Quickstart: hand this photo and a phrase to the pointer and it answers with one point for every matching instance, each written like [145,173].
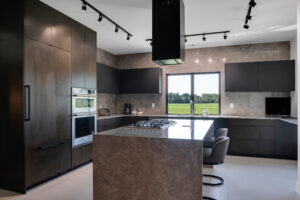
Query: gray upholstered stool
[209,143]
[215,156]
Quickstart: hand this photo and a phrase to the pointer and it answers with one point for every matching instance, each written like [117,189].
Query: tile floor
[245,179]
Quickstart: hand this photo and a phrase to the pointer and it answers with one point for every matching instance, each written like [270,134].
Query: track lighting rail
[102,15]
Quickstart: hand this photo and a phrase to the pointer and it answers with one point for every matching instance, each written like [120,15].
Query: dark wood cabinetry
[141,81]
[274,76]
[84,56]
[108,79]
[47,131]
[61,31]
[82,154]
[36,81]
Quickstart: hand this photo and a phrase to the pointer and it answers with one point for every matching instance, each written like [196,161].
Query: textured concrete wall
[294,94]
[245,104]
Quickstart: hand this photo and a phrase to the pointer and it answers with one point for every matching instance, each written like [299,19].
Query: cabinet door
[82,154]
[90,59]
[278,76]
[108,79]
[141,81]
[286,140]
[38,21]
[47,133]
[61,31]
[78,61]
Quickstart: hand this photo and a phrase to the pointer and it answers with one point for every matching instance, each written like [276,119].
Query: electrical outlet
[231,105]
[153,105]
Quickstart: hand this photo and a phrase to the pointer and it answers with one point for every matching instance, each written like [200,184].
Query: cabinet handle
[50,146]
[27,103]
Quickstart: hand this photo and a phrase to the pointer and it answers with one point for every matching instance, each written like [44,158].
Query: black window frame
[192,89]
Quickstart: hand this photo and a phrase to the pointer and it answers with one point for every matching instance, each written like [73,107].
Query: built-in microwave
[84,101]
[84,127]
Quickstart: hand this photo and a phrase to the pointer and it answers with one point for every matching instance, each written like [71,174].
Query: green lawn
[213,108]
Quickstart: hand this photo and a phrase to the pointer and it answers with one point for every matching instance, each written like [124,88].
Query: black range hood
[168,36]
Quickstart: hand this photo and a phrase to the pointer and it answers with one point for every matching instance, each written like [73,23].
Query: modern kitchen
[149,100]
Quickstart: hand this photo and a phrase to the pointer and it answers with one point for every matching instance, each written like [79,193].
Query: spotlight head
[249,17]
[185,40]
[225,36]
[151,44]
[100,18]
[83,7]
[246,26]
[128,37]
[252,3]
[204,38]
[117,29]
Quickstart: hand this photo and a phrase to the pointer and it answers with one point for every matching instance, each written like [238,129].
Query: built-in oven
[84,117]
[84,127]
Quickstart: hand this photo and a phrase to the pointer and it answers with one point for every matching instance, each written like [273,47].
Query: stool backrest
[220,149]
[221,132]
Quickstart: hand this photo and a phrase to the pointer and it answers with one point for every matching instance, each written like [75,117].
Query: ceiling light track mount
[102,16]
[249,17]
[204,35]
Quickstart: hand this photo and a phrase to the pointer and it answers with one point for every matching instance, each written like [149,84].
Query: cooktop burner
[154,123]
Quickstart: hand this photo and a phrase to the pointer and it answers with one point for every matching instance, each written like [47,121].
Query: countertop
[187,129]
[293,121]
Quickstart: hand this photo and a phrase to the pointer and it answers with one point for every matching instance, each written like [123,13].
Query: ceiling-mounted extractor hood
[168,36]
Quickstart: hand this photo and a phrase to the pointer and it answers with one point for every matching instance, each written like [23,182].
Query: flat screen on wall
[278,106]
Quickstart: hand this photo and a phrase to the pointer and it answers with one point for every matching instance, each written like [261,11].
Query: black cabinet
[286,140]
[241,77]
[277,76]
[273,76]
[141,81]
[108,79]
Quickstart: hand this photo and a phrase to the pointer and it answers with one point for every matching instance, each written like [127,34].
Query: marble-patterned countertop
[187,129]
[293,121]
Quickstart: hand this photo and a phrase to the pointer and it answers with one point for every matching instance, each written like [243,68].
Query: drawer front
[267,133]
[248,147]
[47,161]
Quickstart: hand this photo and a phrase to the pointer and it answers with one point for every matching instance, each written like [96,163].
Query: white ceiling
[273,20]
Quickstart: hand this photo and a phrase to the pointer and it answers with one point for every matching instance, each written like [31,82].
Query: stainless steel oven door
[83,128]
[83,104]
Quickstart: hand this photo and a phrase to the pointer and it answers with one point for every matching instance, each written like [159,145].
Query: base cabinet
[81,155]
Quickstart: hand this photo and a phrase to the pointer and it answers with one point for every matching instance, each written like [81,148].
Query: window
[201,89]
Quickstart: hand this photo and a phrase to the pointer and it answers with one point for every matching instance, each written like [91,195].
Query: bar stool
[215,156]
[211,141]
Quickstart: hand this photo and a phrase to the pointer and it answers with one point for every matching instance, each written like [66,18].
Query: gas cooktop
[154,123]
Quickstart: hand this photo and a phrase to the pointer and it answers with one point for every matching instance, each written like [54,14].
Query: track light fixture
[252,3]
[246,26]
[204,35]
[100,18]
[225,36]
[83,7]
[86,4]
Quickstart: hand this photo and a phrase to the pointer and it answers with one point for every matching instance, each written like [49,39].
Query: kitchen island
[150,163]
